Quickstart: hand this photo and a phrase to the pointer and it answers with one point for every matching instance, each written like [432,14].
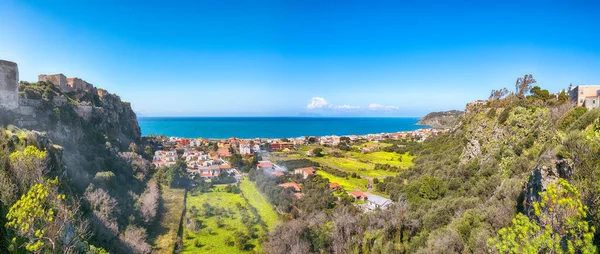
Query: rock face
[543,176]
[443,119]
[96,122]
[9,79]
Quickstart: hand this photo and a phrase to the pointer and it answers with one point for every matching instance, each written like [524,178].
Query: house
[305,172]
[280,146]
[245,149]
[224,152]
[265,165]
[297,187]
[358,195]
[377,202]
[585,95]
[335,186]
[277,174]
[298,195]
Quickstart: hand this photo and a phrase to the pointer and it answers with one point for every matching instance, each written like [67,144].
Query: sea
[272,127]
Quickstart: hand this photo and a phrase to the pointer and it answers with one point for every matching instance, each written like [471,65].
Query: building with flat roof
[585,95]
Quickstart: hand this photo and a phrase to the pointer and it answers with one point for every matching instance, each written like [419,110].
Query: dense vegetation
[526,162]
[88,174]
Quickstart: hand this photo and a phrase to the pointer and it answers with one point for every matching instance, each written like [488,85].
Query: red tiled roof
[296,186]
[308,170]
[334,185]
[277,173]
[298,195]
[265,164]
[226,166]
[358,194]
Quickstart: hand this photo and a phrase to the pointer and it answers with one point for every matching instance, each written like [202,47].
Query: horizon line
[283,116]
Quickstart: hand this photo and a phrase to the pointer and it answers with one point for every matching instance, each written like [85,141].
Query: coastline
[274,127]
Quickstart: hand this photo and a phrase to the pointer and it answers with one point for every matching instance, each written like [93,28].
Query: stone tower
[9,85]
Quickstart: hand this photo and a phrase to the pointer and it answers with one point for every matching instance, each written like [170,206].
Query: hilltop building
[585,95]
[66,84]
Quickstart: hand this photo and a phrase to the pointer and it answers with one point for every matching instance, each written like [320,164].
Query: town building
[296,187]
[305,172]
[585,95]
[281,146]
[335,186]
[358,195]
[377,202]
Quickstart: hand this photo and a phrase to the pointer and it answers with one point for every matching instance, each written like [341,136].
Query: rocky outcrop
[444,119]
[92,121]
[543,176]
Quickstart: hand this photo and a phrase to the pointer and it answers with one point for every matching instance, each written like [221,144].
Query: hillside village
[213,164]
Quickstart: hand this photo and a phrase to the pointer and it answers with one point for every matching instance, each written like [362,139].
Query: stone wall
[9,84]
[29,102]
[79,84]
[59,80]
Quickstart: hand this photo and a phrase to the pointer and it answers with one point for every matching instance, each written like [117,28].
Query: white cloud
[346,107]
[318,102]
[321,103]
[375,106]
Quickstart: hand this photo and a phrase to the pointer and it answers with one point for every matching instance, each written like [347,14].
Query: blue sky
[289,58]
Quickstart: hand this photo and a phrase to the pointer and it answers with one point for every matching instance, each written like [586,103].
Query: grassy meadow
[232,214]
[169,220]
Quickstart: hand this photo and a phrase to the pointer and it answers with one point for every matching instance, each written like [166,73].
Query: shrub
[585,120]
[570,117]
[491,113]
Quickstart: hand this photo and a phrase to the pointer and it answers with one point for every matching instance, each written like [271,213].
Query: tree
[104,213]
[559,225]
[28,167]
[318,152]
[44,222]
[498,94]
[539,94]
[134,239]
[149,202]
[148,152]
[563,97]
[523,85]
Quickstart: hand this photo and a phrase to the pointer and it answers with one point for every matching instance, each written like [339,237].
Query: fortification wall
[59,80]
[9,84]
[79,84]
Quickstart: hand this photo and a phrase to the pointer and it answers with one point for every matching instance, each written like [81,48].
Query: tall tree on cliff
[523,85]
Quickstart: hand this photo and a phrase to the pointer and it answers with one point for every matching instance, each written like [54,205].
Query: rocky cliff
[443,119]
[91,132]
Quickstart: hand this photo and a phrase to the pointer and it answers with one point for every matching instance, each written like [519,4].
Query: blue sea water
[272,127]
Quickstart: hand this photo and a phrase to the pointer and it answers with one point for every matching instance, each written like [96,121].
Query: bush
[491,113]
[585,120]
[504,115]
[570,117]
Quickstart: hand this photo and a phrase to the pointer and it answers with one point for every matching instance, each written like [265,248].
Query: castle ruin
[9,85]
[25,108]
[66,84]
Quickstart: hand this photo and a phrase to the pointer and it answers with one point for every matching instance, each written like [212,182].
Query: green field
[258,201]
[214,239]
[363,164]
[349,184]
[169,223]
